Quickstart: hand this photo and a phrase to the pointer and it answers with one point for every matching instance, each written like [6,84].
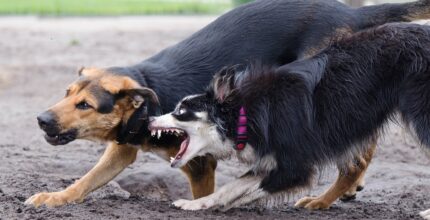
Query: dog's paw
[351,194]
[312,203]
[191,204]
[52,199]
[346,197]
[426,214]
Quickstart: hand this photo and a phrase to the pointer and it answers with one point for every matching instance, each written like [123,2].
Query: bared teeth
[171,131]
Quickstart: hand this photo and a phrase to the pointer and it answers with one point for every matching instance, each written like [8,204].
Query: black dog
[304,115]
[274,31]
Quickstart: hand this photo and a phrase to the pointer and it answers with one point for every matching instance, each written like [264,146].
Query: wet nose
[46,120]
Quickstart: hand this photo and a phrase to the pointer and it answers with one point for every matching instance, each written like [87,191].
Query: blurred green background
[132,7]
[116,7]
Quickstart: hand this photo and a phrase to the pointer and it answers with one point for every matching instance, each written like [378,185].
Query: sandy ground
[40,56]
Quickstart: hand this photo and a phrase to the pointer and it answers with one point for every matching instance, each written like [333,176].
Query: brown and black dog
[114,104]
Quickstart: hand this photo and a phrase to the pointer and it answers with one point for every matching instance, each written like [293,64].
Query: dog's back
[371,74]
[347,92]
[276,32]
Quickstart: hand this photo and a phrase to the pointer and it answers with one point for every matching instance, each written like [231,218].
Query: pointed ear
[223,83]
[310,70]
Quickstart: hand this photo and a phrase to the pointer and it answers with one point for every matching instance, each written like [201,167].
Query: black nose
[47,121]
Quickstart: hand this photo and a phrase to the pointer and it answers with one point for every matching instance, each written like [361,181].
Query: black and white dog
[288,122]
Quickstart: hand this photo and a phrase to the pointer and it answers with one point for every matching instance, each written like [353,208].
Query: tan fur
[201,176]
[419,12]
[92,125]
[346,182]
[114,160]
[339,34]
[200,171]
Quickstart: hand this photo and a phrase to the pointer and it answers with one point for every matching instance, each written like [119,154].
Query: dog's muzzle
[48,123]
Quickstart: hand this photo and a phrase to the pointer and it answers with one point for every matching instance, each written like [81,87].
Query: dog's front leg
[227,194]
[114,160]
[426,214]
[201,175]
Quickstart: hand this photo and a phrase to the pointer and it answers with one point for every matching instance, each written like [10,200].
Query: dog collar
[241,130]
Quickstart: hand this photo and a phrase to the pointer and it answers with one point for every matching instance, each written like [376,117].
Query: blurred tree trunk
[355,3]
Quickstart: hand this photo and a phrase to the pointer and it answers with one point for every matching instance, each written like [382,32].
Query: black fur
[105,100]
[132,130]
[316,111]
[276,32]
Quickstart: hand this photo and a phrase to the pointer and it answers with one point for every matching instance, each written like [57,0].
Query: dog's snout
[47,121]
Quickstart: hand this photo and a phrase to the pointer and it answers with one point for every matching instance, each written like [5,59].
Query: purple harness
[242,132]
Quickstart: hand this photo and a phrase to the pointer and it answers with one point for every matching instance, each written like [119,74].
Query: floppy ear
[223,83]
[139,95]
[120,85]
[146,103]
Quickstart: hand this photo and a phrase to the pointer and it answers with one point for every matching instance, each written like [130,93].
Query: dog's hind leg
[356,187]
[248,186]
[201,175]
[346,181]
[114,160]
[359,184]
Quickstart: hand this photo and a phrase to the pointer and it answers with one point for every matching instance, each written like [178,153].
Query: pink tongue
[182,150]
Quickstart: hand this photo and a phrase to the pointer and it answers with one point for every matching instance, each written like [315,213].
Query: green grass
[113,7]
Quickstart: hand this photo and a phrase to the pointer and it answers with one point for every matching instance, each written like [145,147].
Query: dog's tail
[380,14]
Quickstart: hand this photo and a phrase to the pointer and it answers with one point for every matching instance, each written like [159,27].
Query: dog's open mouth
[61,138]
[179,133]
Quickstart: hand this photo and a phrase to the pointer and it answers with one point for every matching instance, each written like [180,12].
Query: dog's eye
[182,111]
[83,105]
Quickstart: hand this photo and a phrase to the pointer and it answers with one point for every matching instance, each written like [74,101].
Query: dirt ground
[39,57]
